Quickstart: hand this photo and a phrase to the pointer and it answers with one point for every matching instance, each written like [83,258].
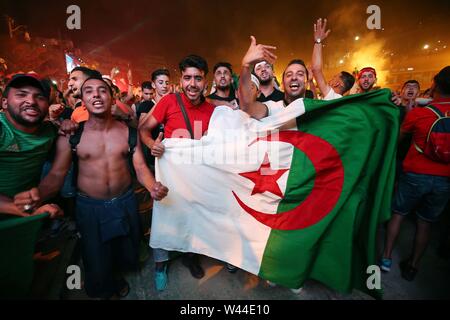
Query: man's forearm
[144,176]
[245,95]
[316,66]
[50,186]
[246,103]
[146,136]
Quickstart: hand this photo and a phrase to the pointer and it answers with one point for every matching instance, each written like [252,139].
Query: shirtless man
[106,208]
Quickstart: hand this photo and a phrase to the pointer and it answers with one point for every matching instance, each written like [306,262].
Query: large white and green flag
[287,205]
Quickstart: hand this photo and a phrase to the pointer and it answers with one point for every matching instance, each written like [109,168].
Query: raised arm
[320,34]
[255,54]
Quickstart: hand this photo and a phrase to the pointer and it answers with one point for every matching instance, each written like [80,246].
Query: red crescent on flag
[327,184]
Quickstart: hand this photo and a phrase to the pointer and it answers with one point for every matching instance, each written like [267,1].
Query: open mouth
[192,91]
[98,103]
[294,86]
[32,112]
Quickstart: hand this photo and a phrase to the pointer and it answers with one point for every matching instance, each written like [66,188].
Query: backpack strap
[74,140]
[436,111]
[186,118]
[132,143]
[132,139]
[439,115]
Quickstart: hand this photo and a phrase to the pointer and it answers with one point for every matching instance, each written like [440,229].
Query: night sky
[220,30]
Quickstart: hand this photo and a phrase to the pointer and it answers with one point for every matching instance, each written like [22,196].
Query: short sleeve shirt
[418,122]
[22,156]
[331,95]
[168,113]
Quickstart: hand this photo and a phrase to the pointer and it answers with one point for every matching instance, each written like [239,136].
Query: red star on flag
[265,179]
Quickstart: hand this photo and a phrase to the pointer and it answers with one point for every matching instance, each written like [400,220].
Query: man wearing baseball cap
[25,141]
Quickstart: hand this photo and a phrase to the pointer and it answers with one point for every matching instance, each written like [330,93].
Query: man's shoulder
[278,93]
[213,96]
[167,101]
[331,95]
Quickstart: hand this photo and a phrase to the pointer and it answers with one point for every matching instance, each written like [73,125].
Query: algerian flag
[285,205]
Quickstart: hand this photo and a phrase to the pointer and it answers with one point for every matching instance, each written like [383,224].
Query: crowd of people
[99,145]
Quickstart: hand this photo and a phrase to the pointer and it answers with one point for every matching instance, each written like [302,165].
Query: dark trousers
[110,234]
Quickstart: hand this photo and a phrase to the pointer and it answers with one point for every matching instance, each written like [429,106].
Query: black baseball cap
[21,79]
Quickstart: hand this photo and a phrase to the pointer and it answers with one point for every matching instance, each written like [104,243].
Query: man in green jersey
[25,142]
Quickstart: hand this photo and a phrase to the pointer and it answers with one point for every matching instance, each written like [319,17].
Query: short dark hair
[160,72]
[411,81]
[90,73]
[194,61]
[348,80]
[100,79]
[300,62]
[442,81]
[223,64]
[146,85]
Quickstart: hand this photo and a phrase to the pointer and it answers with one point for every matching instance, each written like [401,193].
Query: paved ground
[432,281]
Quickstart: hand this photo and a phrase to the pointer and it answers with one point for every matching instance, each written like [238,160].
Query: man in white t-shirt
[340,83]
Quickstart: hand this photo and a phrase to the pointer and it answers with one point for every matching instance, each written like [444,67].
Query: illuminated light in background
[356,38]
[410,69]
[425,47]
[341,61]
[369,53]
[54,82]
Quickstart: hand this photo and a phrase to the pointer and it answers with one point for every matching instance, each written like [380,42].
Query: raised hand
[67,127]
[257,53]
[158,148]
[55,110]
[158,191]
[320,30]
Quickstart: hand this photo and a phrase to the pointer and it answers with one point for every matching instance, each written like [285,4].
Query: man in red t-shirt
[169,113]
[424,185]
